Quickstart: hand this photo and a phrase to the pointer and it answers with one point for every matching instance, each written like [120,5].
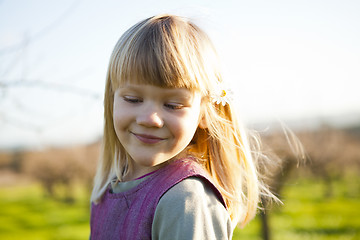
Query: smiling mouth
[148,139]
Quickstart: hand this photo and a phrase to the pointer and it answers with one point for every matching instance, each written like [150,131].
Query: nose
[150,117]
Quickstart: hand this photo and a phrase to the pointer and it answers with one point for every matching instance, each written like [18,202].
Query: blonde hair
[170,51]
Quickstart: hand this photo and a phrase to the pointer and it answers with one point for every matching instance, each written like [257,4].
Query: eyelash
[174,106]
[132,100]
[167,105]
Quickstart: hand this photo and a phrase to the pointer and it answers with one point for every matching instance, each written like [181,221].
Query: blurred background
[290,63]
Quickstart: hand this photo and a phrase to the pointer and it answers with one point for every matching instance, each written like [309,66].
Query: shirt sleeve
[191,210]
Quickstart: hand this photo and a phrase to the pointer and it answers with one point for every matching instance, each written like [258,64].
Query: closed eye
[174,106]
[131,99]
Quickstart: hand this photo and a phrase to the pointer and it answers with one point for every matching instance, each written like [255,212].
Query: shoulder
[191,189]
[191,210]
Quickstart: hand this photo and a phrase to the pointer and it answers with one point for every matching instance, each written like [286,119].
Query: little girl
[175,162]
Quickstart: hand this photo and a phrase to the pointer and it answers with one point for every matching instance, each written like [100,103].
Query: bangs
[158,51]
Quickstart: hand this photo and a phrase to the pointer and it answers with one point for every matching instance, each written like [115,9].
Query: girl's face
[154,124]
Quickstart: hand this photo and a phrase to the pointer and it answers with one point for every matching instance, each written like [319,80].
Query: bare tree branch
[48,85]
[42,32]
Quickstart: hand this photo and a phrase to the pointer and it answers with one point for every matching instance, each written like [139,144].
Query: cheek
[117,115]
[120,118]
[187,125]
[117,123]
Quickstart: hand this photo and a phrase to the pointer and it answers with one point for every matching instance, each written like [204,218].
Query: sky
[286,60]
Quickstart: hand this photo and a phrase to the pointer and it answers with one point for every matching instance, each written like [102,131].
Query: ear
[202,122]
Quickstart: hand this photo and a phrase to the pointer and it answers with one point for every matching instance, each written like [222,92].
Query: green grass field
[26,214]
[307,214]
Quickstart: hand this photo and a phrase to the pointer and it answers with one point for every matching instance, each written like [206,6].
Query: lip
[148,139]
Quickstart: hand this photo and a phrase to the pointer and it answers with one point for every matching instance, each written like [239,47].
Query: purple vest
[129,215]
